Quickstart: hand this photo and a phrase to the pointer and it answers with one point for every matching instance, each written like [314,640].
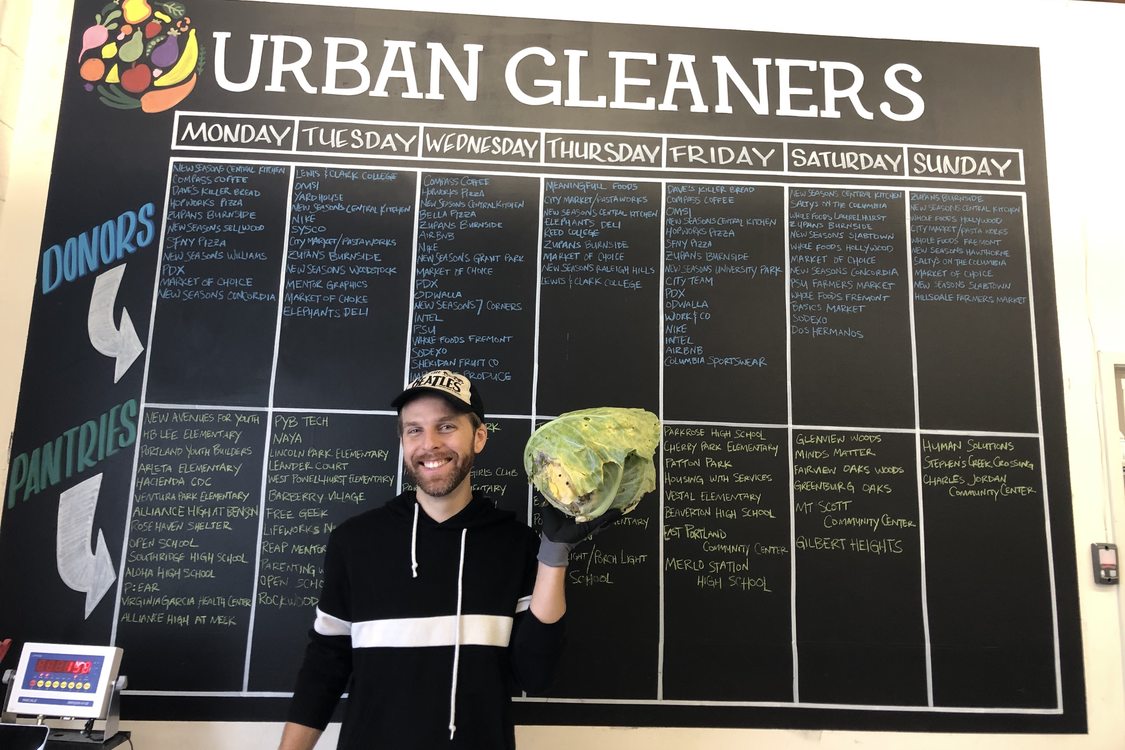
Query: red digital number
[55,666]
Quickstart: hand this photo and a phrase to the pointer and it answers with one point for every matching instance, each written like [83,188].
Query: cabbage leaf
[587,461]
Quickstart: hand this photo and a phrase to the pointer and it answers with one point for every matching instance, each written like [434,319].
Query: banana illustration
[184,67]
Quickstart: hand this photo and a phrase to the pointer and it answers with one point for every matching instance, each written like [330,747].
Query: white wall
[13,41]
[1084,87]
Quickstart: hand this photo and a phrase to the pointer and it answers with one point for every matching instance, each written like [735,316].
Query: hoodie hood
[480,512]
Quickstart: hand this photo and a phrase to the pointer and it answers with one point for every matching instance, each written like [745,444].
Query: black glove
[561,533]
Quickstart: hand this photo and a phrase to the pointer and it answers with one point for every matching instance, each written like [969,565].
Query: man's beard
[440,486]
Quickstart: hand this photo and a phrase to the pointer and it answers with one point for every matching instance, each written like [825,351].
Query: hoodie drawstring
[457,637]
[414,545]
[456,619]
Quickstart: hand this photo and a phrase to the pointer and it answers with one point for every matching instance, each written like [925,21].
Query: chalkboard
[823,262]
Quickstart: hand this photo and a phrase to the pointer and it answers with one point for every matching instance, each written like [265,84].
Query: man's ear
[480,438]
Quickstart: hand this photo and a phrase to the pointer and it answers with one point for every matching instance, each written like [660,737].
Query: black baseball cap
[453,386]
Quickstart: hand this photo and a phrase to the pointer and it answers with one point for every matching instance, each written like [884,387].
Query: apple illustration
[136,79]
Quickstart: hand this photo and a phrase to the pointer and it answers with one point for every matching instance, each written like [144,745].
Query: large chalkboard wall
[824,262]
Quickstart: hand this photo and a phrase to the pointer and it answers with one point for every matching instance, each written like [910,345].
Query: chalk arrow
[122,343]
[91,573]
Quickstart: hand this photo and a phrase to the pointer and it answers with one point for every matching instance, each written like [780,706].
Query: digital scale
[64,681]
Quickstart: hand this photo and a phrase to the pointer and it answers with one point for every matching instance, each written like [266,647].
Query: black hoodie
[396,584]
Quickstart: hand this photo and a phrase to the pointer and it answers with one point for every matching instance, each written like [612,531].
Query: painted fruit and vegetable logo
[139,55]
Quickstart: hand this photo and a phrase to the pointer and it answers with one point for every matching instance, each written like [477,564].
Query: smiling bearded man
[439,445]
[437,606]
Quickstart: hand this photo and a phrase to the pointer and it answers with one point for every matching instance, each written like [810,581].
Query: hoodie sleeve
[535,646]
[328,657]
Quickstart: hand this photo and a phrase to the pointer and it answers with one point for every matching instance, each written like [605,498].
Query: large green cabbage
[588,461]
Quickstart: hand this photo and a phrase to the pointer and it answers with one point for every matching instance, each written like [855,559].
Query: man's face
[438,444]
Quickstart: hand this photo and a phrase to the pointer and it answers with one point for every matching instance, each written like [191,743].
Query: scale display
[64,680]
[64,674]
